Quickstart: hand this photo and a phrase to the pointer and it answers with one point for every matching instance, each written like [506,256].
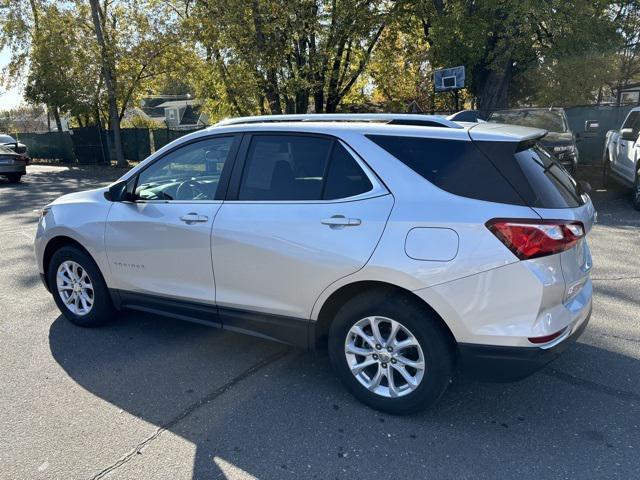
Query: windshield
[550,120]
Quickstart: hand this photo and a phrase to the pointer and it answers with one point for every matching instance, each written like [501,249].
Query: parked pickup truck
[621,152]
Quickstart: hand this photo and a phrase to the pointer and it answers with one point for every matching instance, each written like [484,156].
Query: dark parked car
[12,165]
[560,139]
[13,144]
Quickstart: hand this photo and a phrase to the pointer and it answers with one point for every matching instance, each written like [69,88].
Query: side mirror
[591,127]
[118,192]
[628,134]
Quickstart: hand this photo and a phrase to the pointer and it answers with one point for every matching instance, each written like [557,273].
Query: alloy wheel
[384,356]
[75,287]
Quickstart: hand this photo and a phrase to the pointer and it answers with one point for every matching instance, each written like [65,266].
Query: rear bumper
[505,364]
[7,169]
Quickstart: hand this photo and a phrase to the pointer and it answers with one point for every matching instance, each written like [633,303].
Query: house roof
[631,87]
[177,103]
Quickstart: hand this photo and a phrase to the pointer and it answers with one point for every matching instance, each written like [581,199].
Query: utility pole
[109,83]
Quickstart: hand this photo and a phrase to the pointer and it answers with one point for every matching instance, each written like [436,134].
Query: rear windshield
[503,172]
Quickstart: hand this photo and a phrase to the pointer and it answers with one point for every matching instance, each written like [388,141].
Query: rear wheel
[14,177]
[78,288]
[606,172]
[391,353]
[636,191]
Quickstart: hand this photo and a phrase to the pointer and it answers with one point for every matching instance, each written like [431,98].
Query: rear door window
[345,178]
[300,167]
[285,167]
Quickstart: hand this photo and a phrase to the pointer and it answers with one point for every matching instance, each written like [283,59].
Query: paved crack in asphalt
[592,386]
[190,409]
[603,279]
[618,337]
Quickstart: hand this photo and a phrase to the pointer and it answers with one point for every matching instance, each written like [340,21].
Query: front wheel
[391,353]
[78,288]
[606,172]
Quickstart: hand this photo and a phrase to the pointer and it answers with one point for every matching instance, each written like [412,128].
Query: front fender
[83,223]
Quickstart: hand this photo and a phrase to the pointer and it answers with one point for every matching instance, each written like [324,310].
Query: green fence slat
[590,149]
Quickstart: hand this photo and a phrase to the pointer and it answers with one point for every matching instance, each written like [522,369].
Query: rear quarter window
[456,166]
[503,172]
[535,173]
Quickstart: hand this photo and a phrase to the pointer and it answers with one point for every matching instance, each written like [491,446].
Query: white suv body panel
[151,251]
[293,256]
[484,294]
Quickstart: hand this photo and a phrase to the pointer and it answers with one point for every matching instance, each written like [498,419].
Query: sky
[12,97]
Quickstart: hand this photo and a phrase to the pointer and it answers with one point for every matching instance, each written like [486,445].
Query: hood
[557,139]
[88,196]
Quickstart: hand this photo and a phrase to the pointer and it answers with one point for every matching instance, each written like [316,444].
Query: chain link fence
[92,145]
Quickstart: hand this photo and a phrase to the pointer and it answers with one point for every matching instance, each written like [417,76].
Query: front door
[160,243]
[628,149]
[303,213]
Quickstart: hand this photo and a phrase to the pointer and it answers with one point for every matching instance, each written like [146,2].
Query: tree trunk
[270,83]
[56,115]
[494,89]
[109,83]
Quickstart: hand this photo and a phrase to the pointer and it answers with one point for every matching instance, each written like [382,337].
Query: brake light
[528,238]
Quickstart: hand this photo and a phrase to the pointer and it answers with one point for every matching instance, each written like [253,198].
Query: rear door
[302,212]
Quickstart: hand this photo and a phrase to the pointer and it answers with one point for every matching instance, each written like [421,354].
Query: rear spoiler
[499,132]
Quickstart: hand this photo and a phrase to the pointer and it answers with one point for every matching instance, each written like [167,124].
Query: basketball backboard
[449,79]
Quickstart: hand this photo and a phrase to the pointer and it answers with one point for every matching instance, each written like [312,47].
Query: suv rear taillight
[528,238]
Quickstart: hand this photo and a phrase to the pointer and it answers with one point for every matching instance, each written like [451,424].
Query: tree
[626,16]
[503,41]
[314,53]
[59,71]
[107,68]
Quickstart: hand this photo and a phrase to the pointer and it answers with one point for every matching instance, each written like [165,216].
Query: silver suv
[412,246]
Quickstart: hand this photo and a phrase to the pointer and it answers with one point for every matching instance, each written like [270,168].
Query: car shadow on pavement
[257,408]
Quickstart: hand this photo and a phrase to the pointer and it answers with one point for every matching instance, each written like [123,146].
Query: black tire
[102,310]
[606,172]
[435,342]
[635,198]
[14,177]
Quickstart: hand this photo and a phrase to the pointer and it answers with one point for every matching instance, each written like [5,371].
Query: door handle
[191,218]
[340,221]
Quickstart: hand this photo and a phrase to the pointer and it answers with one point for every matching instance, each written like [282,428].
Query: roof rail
[390,118]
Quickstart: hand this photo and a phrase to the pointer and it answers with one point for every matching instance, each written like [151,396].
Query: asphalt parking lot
[154,398]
